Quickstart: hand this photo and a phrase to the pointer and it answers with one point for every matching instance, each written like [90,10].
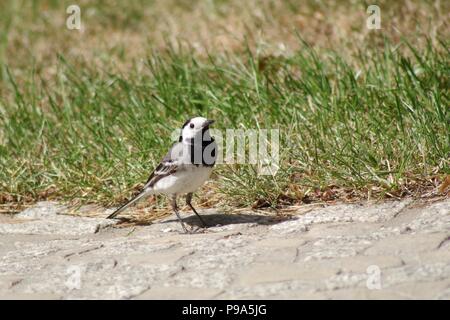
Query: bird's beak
[207,123]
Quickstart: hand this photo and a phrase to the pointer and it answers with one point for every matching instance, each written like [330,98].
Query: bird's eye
[191,126]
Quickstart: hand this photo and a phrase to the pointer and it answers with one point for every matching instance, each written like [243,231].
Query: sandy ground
[391,250]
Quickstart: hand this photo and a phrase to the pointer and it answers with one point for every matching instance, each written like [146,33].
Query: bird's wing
[169,165]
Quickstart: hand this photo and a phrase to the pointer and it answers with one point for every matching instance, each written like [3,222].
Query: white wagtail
[184,169]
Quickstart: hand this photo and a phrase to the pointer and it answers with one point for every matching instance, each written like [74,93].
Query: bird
[185,168]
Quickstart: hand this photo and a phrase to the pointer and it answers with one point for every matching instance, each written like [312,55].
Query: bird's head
[195,128]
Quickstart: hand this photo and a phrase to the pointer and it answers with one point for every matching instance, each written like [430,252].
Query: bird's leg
[188,202]
[173,202]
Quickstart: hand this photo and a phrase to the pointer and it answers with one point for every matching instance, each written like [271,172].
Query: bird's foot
[199,230]
[193,230]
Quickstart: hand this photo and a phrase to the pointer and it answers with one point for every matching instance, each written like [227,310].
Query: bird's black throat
[202,151]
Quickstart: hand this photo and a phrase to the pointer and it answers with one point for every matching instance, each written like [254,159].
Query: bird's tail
[129,203]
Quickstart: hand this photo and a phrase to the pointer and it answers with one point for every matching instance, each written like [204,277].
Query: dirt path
[389,250]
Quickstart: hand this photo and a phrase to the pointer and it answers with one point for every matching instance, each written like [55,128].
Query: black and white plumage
[184,169]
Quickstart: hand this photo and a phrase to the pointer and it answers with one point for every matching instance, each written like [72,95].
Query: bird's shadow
[218,219]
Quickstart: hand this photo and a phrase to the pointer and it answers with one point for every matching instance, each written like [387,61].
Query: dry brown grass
[116,35]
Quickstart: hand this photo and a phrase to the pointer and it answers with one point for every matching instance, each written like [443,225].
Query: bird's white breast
[184,181]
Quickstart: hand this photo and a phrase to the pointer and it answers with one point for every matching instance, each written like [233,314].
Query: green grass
[376,123]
